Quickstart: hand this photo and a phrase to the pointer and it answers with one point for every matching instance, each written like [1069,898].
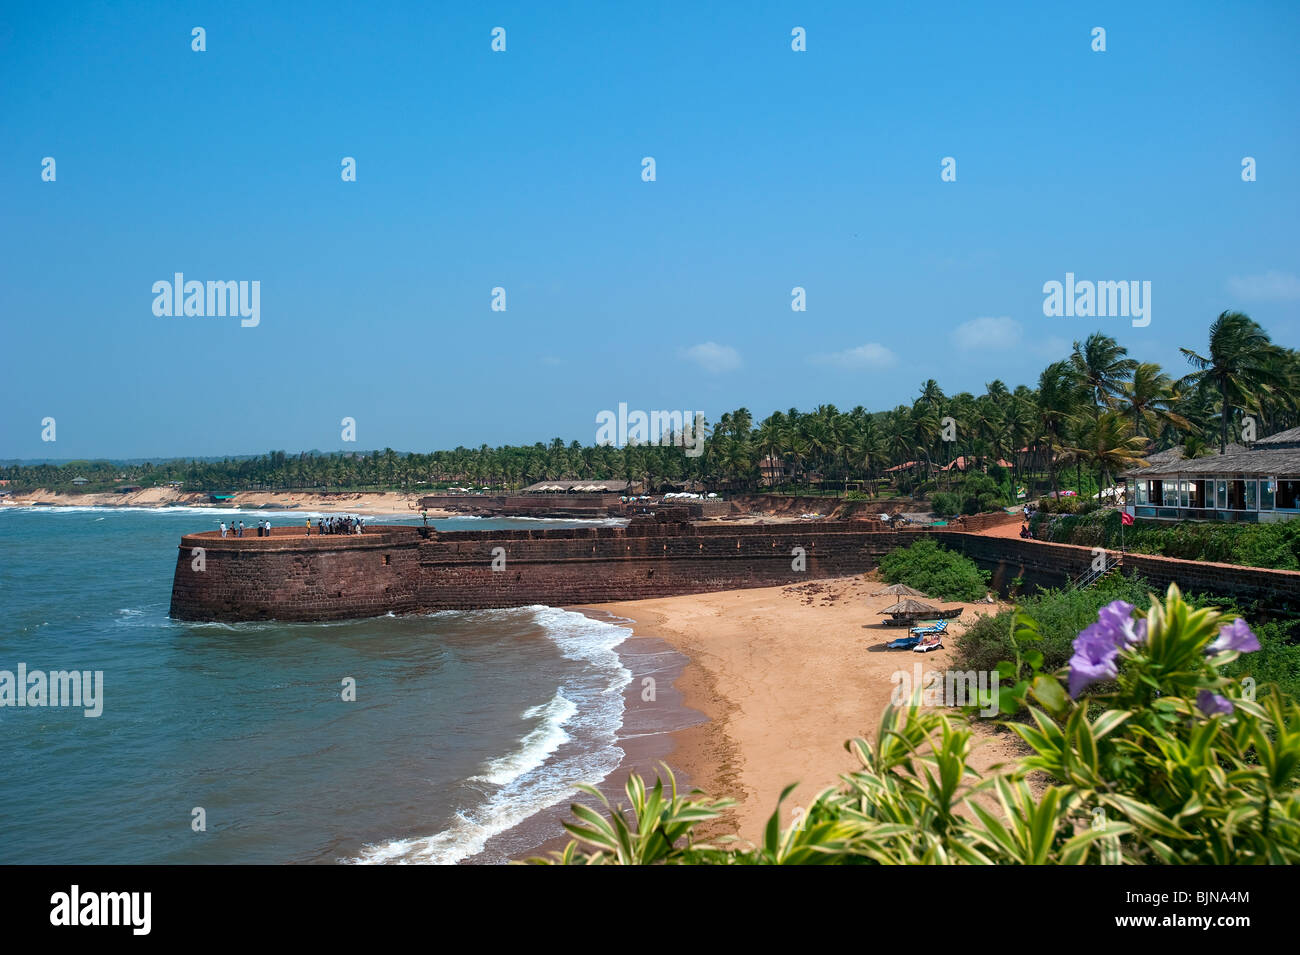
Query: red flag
[1126,518]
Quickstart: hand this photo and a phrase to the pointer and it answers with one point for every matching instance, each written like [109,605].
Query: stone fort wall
[293,577]
[398,569]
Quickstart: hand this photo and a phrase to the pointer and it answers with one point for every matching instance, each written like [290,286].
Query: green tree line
[1091,415]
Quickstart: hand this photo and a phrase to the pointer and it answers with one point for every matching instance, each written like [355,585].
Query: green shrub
[935,571]
[974,494]
[1060,505]
[979,494]
[1278,660]
[1061,614]
[945,504]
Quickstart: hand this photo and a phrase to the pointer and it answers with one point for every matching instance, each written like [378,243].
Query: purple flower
[1211,704]
[1095,651]
[1117,618]
[1235,636]
[1097,646]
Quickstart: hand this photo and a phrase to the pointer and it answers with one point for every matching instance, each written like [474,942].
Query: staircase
[1093,574]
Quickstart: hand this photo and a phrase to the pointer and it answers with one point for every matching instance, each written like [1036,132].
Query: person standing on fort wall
[223,528]
[309,527]
[240,532]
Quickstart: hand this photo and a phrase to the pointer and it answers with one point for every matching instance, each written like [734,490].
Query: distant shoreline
[369,503]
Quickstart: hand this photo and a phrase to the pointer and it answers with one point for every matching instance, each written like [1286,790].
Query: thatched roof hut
[898,590]
[909,606]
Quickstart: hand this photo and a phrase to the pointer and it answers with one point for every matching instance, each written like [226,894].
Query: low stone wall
[1035,562]
[1273,587]
[981,522]
[594,565]
[289,576]
[1053,565]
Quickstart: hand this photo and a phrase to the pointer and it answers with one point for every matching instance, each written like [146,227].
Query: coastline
[648,734]
[367,503]
[784,675]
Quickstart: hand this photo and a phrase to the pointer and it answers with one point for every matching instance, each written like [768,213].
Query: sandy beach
[785,675]
[369,503]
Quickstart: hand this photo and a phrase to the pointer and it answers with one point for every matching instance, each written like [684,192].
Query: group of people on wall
[342,524]
[236,529]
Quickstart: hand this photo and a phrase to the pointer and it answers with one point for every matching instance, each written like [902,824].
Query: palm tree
[1243,365]
[1195,447]
[931,393]
[1022,427]
[1053,407]
[865,450]
[1099,366]
[1106,443]
[1149,399]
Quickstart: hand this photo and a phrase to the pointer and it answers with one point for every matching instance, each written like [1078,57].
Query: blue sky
[522,170]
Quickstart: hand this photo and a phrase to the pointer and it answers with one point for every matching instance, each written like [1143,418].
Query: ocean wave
[542,770]
[537,745]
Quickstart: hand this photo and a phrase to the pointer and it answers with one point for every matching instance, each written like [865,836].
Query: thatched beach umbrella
[898,590]
[909,607]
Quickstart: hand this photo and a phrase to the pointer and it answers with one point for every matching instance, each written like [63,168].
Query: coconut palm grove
[1091,415]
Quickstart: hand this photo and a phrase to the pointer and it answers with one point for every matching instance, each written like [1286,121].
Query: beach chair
[932,642]
[931,629]
[903,643]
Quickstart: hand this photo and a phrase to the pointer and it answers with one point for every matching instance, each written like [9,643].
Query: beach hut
[907,611]
[898,590]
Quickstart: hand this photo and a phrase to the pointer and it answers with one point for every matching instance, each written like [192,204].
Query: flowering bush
[1150,755]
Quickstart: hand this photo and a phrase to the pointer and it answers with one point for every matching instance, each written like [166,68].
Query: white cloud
[1000,333]
[1272,286]
[870,355]
[713,357]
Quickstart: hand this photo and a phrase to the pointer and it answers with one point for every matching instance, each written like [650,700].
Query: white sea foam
[537,746]
[541,771]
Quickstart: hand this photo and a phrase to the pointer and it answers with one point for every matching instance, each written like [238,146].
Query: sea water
[233,743]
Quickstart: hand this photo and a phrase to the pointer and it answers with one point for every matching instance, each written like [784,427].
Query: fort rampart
[290,576]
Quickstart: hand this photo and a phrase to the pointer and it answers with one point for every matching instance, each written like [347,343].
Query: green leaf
[1047,690]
